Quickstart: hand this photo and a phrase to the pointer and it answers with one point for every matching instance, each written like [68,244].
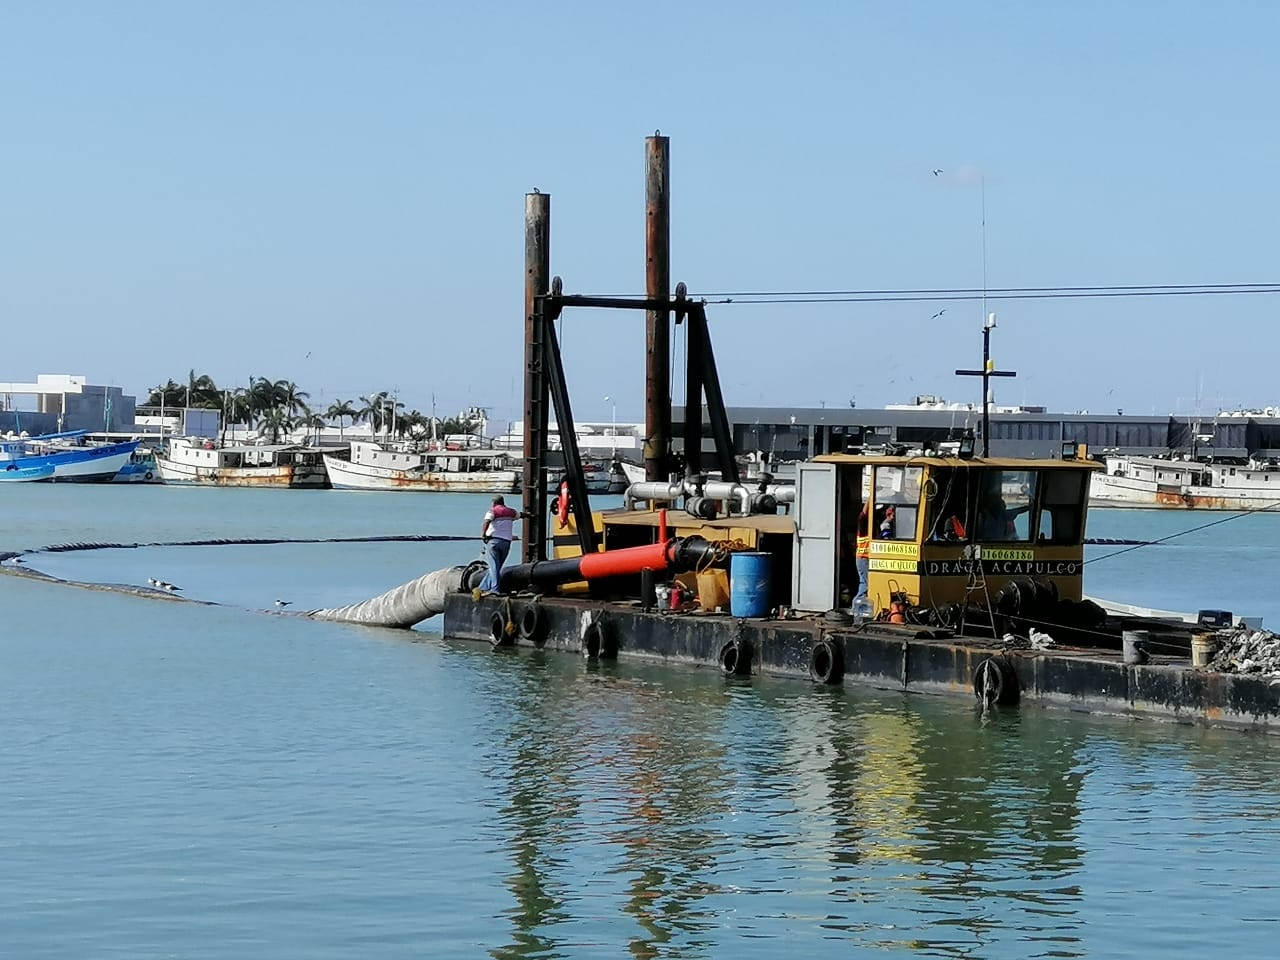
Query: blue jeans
[863,565]
[495,552]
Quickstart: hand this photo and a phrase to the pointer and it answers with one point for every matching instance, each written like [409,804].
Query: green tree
[411,424]
[342,410]
[236,407]
[460,424]
[291,398]
[263,396]
[274,422]
[202,392]
[313,421]
[168,394]
[380,409]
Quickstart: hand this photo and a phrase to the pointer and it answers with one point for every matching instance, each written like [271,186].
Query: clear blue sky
[333,193]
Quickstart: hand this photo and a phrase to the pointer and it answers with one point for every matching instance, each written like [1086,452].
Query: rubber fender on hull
[826,662]
[599,642]
[995,683]
[735,658]
[501,630]
[533,625]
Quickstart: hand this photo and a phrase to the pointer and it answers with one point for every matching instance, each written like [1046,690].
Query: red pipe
[614,563]
[686,553]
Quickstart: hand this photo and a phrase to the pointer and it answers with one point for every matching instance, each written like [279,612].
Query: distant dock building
[57,401]
[784,434]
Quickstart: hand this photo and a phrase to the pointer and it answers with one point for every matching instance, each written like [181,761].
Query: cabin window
[1004,505]
[950,504]
[1062,506]
[897,499]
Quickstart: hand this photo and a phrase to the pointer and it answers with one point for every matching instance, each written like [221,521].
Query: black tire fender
[735,658]
[826,662]
[533,624]
[148,475]
[599,642]
[498,635]
[995,683]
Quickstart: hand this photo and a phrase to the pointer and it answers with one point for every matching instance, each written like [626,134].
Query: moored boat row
[1139,482]
[62,457]
[361,465]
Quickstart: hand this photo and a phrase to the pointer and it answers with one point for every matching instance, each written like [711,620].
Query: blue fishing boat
[63,457]
[12,473]
[139,468]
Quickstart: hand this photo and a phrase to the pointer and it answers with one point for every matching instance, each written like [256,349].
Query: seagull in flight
[283,603]
[937,172]
[938,314]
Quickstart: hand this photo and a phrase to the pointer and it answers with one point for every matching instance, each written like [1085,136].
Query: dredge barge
[972,572]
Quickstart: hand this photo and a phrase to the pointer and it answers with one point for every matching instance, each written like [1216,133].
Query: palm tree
[341,410]
[276,421]
[260,397]
[291,398]
[167,394]
[236,407]
[379,409]
[313,421]
[459,424]
[413,423]
[202,392]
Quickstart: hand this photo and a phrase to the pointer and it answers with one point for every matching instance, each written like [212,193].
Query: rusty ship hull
[375,466]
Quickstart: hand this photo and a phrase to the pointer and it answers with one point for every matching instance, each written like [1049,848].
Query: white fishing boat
[601,475]
[421,465]
[1133,481]
[193,460]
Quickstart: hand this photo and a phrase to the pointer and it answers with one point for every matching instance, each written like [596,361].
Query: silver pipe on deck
[653,490]
[747,499]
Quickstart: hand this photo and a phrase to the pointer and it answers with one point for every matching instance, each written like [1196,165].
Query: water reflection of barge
[975,564]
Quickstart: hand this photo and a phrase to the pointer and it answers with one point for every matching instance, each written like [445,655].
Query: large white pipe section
[404,606]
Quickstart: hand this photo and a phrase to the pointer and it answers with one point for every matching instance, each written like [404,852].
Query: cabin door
[814,573]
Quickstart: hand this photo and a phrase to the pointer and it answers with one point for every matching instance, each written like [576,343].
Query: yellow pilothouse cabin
[938,531]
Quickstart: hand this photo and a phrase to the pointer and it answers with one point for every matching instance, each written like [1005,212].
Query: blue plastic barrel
[749,584]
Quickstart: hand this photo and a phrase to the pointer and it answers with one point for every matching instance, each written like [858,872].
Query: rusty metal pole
[537,280]
[657,325]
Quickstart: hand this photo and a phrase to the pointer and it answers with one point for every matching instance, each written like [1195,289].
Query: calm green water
[184,780]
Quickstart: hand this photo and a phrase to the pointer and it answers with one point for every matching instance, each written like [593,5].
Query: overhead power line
[937,295]
[994,293]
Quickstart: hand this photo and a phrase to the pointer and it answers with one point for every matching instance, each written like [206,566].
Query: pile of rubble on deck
[1242,649]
